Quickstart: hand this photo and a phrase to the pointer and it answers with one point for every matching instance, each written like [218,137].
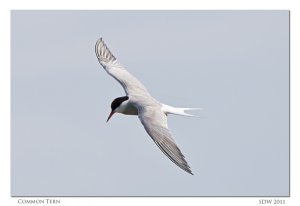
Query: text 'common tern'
[138,101]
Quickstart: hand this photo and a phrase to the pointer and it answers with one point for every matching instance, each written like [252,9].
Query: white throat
[122,107]
[127,108]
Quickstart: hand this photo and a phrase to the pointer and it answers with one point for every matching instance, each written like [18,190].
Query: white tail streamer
[167,109]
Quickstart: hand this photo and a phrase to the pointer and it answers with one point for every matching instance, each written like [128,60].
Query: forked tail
[178,111]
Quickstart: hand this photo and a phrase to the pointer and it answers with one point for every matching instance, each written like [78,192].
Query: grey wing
[130,84]
[155,123]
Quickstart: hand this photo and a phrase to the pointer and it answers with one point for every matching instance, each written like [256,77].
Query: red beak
[110,115]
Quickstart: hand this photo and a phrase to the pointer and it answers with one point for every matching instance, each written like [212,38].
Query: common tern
[138,101]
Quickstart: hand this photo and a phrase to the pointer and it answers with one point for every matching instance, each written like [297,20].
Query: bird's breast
[130,110]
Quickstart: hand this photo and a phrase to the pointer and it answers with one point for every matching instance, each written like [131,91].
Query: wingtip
[190,172]
[102,52]
[100,40]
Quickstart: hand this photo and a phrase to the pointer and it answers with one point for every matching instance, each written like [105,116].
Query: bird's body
[138,101]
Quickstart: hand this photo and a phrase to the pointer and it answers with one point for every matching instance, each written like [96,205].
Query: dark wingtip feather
[102,52]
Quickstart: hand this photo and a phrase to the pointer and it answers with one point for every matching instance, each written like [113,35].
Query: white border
[6,6]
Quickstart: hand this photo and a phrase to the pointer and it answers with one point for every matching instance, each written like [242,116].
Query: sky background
[234,64]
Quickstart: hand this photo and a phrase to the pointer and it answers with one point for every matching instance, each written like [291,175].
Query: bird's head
[117,106]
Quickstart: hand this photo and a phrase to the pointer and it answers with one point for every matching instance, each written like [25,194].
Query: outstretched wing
[155,123]
[109,62]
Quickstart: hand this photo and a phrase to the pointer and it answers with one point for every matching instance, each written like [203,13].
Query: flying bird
[138,101]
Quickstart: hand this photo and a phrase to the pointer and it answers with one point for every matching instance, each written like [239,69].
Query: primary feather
[130,84]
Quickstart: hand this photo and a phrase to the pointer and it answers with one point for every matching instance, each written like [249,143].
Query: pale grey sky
[234,64]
